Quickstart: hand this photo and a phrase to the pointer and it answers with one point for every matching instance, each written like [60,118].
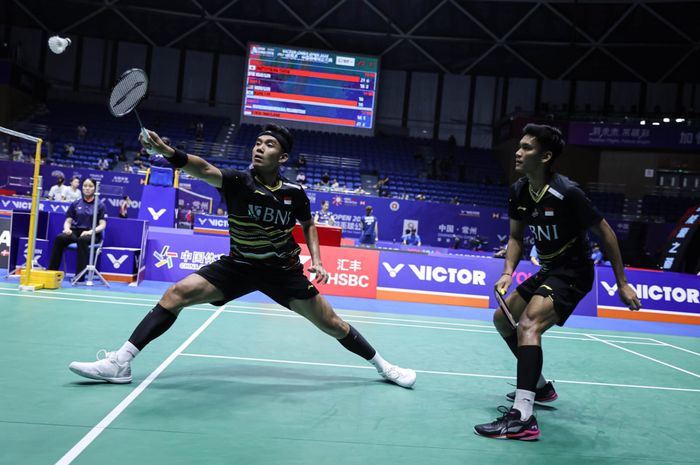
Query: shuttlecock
[58,44]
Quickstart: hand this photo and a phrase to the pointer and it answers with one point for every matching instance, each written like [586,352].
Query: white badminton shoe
[404,377]
[106,368]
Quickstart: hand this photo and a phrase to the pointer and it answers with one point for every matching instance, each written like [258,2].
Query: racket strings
[128,92]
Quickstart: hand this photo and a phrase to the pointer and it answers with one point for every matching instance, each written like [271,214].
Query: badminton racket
[504,307]
[127,93]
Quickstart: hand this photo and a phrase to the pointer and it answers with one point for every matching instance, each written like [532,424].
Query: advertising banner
[5,241]
[352,272]
[158,206]
[665,296]
[438,224]
[210,224]
[667,136]
[173,254]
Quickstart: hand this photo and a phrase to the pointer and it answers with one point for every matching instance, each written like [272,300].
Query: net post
[33,217]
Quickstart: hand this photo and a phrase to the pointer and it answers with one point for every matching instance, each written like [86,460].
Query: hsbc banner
[665,296]
[352,272]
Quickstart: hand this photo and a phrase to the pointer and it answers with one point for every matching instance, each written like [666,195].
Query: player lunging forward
[263,208]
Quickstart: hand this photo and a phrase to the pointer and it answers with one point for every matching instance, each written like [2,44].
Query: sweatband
[284,142]
[178,160]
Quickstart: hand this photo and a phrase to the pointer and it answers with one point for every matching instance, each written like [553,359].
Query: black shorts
[235,279]
[566,286]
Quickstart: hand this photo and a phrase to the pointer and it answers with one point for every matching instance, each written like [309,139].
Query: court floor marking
[351,318]
[676,347]
[430,372]
[286,312]
[79,447]
[645,356]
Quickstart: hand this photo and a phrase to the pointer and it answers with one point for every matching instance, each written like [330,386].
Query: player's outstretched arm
[612,251]
[191,164]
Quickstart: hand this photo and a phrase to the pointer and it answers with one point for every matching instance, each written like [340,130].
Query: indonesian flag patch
[548,212]
[287,200]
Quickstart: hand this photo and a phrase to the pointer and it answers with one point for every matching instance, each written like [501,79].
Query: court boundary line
[287,313]
[677,347]
[431,372]
[646,357]
[483,329]
[98,429]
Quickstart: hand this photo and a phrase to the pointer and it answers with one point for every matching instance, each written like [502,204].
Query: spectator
[325,182]
[420,196]
[103,164]
[301,162]
[73,193]
[70,149]
[124,207]
[411,238]
[597,255]
[17,154]
[199,131]
[324,216]
[335,184]
[58,191]
[369,234]
[382,190]
[77,228]
[220,211]
[454,200]
[81,132]
[301,178]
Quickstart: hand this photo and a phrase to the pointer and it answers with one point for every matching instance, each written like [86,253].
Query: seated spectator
[58,191]
[77,228]
[17,154]
[410,238]
[220,211]
[335,184]
[325,182]
[301,178]
[454,200]
[72,193]
[420,196]
[70,149]
[103,164]
[81,132]
[324,216]
[301,162]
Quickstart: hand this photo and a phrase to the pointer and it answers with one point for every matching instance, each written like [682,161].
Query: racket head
[130,89]
[504,308]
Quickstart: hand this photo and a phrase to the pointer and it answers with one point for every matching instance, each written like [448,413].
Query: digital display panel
[310,86]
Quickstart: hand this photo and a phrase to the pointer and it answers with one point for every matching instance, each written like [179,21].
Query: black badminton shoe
[543,395]
[510,426]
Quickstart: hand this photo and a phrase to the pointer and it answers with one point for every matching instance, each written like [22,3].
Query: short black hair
[277,130]
[549,138]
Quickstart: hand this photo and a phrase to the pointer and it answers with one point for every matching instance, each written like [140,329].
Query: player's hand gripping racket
[504,307]
[126,94]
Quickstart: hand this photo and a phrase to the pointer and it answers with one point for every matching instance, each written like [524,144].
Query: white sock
[379,363]
[524,401]
[127,353]
[541,382]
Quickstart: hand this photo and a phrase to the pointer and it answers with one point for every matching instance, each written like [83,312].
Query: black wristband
[179,159]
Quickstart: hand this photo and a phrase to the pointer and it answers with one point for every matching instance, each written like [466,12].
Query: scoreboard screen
[310,86]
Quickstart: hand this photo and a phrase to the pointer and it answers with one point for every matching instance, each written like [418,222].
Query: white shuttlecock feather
[58,44]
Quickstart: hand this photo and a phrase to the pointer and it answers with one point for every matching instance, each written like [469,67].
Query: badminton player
[263,208]
[558,215]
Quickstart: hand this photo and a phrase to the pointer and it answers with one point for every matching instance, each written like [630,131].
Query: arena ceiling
[648,41]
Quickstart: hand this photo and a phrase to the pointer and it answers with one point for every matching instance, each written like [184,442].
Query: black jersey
[558,217]
[261,218]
